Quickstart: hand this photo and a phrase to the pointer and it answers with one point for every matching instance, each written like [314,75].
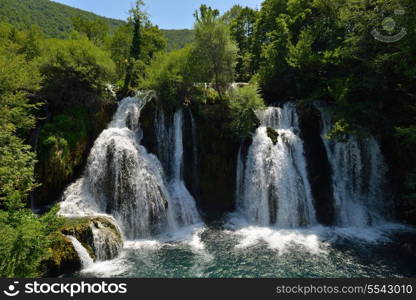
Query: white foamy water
[126,182]
[281,240]
[182,210]
[121,178]
[106,245]
[109,268]
[313,240]
[272,183]
[84,256]
[358,178]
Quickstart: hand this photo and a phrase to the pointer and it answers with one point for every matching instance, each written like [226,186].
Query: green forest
[58,75]
[55,20]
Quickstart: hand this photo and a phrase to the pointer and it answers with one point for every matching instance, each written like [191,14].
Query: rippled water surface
[247,251]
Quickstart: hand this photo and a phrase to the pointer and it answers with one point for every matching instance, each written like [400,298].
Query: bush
[243,104]
[26,240]
[169,75]
[76,72]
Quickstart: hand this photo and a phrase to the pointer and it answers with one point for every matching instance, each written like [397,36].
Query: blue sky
[168,14]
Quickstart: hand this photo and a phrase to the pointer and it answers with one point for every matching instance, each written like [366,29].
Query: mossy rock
[63,260]
[82,230]
[273,135]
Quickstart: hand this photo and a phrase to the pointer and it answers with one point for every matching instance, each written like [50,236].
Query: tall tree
[137,18]
[215,49]
[242,31]
[96,30]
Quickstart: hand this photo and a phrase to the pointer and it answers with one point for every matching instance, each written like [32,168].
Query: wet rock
[99,235]
[319,170]
[273,135]
[63,260]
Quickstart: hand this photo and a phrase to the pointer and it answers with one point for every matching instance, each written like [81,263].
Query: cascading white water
[104,244]
[122,179]
[272,184]
[195,151]
[239,193]
[83,254]
[358,177]
[182,208]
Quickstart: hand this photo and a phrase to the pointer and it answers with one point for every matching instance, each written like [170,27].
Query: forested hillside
[53,18]
[178,38]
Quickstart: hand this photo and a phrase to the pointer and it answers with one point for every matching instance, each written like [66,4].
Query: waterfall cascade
[272,182]
[104,244]
[123,180]
[358,177]
[170,149]
[83,254]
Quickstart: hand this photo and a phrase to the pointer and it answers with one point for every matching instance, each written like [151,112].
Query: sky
[168,14]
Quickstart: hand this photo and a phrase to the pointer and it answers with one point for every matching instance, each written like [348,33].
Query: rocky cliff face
[217,156]
[210,151]
[319,170]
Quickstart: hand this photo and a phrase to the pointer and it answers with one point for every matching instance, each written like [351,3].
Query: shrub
[76,72]
[243,103]
[169,75]
[26,240]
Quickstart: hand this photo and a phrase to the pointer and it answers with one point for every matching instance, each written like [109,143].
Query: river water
[238,251]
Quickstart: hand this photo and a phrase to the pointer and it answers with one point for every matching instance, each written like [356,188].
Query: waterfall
[83,254]
[183,210]
[121,178]
[240,178]
[272,183]
[194,155]
[358,177]
[104,244]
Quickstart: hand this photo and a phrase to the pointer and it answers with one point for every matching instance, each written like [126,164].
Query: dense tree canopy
[25,237]
[214,48]
[53,18]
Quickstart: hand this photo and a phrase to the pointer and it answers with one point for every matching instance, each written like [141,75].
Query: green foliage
[76,72]
[16,170]
[26,237]
[119,47]
[32,43]
[67,128]
[170,76]
[62,146]
[18,78]
[95,30]
[406,146]
[26,240]
[178,39]
[242,31]
[54,19]
[243,104]
[146,42]
[214,49]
